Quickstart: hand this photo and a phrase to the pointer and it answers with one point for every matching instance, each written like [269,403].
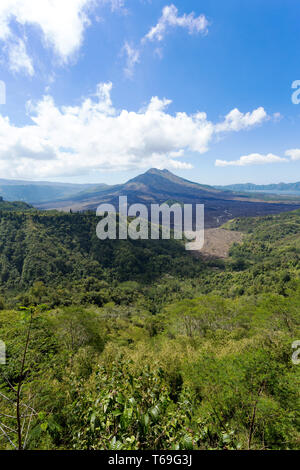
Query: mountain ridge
[33,192]
[262,187]
[158,186]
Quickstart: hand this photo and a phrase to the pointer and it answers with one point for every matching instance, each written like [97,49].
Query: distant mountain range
[280,187]
[36,192]
[153,187]
[159,186]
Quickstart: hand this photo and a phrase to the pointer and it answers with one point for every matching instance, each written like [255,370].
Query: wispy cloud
[19,60]
[258,158]
[116,5]
[252,159]
[132,58]
[294,154]
[171,19]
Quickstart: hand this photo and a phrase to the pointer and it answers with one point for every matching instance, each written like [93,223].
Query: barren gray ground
[218,242]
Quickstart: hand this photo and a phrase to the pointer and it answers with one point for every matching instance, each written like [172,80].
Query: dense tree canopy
[139,345]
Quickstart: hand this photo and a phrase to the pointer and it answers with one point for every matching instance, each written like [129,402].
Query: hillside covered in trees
[139,345]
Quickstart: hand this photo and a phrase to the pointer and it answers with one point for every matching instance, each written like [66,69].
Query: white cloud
[132,58]
[294,154]
[252,159]
[171,19]
[236,121]
[61,23]
[158,52]
[277,117]
[115,4]
[78,140]
[19,59]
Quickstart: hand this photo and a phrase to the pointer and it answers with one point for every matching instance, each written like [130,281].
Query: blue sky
[102,90]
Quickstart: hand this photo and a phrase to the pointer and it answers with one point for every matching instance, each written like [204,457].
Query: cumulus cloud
[61,24]
[78,140]
[252,159]
[294,154]
[170,19]
[236,121]
[177,165]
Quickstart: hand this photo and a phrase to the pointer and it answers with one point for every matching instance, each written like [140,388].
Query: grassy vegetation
[137,345]
[13,206]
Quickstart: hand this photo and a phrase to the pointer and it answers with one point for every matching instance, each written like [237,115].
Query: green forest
[136,345]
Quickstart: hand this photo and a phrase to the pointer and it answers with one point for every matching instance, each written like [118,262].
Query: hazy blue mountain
[39,191]
[280,188]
